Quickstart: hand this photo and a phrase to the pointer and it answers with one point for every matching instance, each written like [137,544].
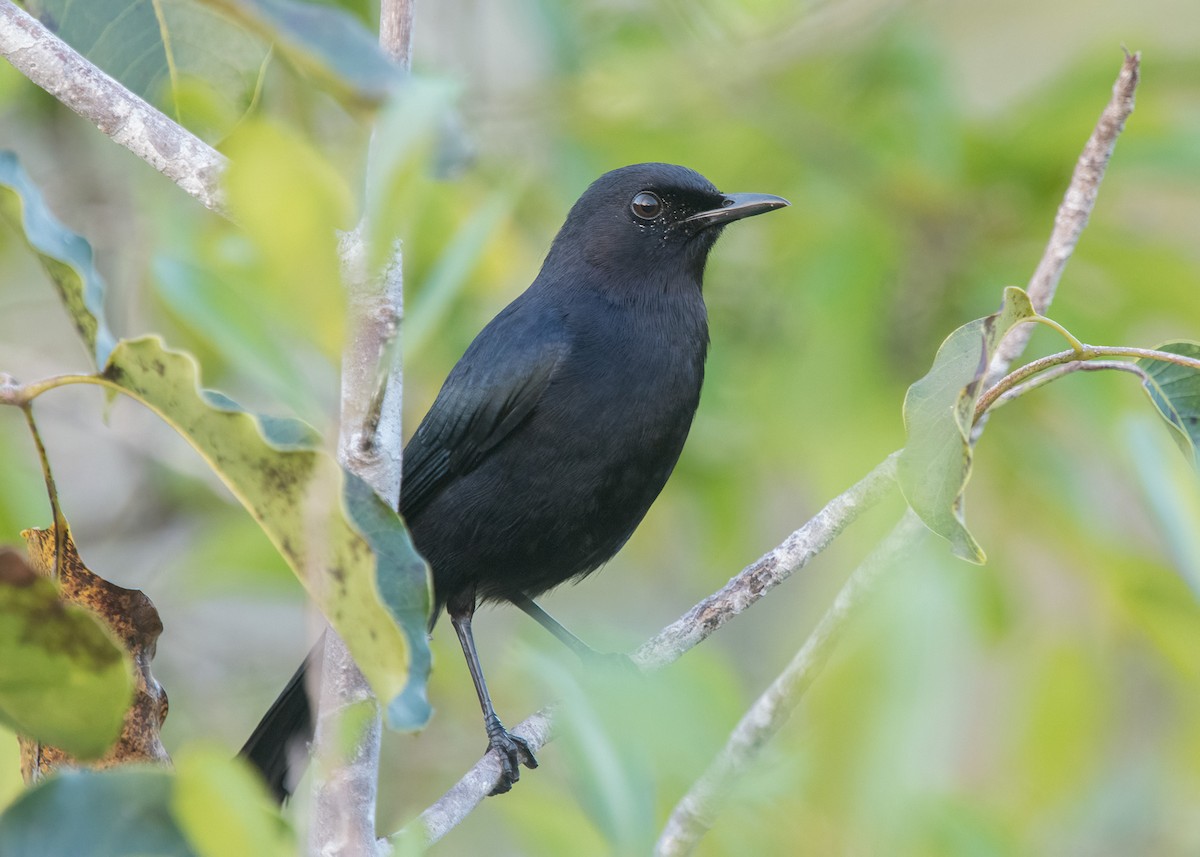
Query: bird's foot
[513,752]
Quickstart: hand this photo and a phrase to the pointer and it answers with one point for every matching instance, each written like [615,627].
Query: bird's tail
[278,747]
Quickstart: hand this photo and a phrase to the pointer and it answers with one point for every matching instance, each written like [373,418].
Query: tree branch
[694,814]
[345,785]
[57,68]
[742,591]
[1073,213]
[396,30]
[770,570]
[1069,369]
[697,810]
[1075,359]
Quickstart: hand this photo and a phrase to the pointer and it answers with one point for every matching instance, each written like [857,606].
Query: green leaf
[1172,496]
[402,147]
[239,323]
[939,411]
[159,49]
[325,42]
[66,256]
[223,809]
[347,546]
[211,806]
[451,272]
[1175,391]
[64,681]
[116,813]
[290,201]
[156,47]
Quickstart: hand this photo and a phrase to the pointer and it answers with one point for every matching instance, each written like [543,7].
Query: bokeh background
[1045,703]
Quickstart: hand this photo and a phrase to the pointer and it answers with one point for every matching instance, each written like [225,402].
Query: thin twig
[1073,213]
[1064,370]
[694,814]
[742,591]
[168,147]
[1082,354]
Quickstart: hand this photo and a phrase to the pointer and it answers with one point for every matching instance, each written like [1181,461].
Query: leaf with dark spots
[64,680]
[315,515]
[132,618]
[14,571]
[368,579]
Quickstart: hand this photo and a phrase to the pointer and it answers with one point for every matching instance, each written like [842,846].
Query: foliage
[1042,703]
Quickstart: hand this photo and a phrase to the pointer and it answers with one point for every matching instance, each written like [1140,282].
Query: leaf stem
[1016,383]
[60,521]
[1054,325]
[21,395]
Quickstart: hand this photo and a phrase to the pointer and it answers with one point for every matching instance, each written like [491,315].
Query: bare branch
[1074,211]
[770,570]
[695,812]
[1069,369]
[1076,358]
[345,779]
[396,30]
[57,68]
[369,445]
[456,804]
[743,590]
[370,417]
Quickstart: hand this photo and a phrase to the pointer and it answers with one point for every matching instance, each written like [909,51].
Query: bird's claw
[512,750]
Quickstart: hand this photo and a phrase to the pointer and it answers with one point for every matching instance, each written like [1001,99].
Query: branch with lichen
[696,811]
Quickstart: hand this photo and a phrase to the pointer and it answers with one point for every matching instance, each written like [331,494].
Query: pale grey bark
[346,779]
[57,68]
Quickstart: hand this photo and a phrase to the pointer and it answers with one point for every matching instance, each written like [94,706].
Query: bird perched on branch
[560,424]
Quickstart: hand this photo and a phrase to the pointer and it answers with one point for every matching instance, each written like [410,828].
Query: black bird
[560,424]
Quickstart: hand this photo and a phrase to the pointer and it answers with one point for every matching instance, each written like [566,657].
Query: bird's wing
[490,392]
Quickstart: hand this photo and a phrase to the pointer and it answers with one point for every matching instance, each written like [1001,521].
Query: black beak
[736,206]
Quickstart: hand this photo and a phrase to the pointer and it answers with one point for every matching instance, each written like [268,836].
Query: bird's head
[649,218]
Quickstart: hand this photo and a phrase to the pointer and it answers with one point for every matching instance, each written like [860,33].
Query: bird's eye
[646,205]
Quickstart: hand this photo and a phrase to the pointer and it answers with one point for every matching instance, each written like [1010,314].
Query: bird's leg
[552,625]
[585,652]
[512,750]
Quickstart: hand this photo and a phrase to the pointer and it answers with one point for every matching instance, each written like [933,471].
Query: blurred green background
[1046,703]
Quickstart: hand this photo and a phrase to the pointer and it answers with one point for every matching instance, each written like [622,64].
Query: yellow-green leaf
[64,680]
[223,809]
[290,202]
[939,410]
[347,546]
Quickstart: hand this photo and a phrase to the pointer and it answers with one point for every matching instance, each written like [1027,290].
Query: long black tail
[278,746]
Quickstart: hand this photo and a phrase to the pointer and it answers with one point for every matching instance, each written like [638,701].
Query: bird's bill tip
[737,206]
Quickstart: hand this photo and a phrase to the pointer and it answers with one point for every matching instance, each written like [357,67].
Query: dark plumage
[559,426]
